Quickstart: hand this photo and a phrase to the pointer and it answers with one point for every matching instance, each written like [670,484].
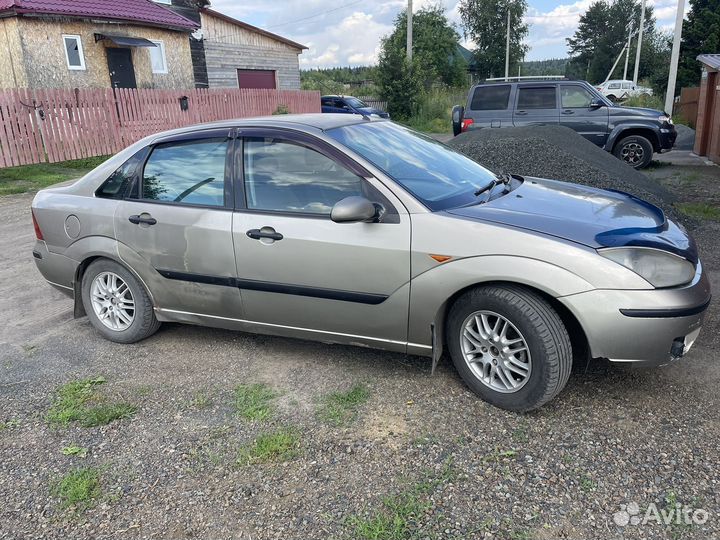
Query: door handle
[137,220]
[265,232]
[568,111]
[521,113]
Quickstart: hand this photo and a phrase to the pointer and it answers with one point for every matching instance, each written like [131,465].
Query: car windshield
[438,176]
[355,102]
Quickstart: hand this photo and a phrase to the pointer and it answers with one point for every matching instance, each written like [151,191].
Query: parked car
[621,90]
[632,134]
[349,105]
[359,231]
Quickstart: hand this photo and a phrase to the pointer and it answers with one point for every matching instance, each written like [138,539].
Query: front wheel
[634,150]
[509,346]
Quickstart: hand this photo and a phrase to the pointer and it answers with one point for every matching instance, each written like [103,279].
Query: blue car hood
[372,110]
[593,217]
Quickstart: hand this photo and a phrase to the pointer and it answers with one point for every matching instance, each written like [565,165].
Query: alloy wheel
[632,153]
[112,301]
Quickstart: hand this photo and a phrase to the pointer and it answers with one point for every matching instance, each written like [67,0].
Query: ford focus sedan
[351,230]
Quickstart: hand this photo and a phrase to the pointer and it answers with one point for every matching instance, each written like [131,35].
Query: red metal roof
[138,11]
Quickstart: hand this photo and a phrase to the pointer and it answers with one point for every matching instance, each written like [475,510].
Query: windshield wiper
[502,179]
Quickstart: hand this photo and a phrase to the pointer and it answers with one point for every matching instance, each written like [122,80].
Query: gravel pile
[559,153]
[685,138]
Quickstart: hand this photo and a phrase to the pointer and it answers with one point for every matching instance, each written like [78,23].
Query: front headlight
[665,118]
[660,268]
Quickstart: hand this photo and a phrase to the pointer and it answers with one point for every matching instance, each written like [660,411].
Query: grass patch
[74,450]
[201,400]
[340,408]
[434,112]
[700,211]
[587,484]
[33,177]
[254,401]
[79,488]
[276,447]
[9,425]
[78,401]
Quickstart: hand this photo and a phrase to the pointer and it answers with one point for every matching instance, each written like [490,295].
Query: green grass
[201,400]
[74,450]
[649,102]
[33,177]
[275,447]
[254,401]
[434,113]
[80,488]
[9,425]
[587,484]
[340,408]
[700,211]
[78,401]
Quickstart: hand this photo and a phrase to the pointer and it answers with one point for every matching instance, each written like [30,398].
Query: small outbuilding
[707,129]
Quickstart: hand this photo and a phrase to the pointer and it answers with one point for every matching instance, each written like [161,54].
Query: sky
[348,32]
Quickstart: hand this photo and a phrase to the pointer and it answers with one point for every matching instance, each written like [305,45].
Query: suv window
[190,172]
[575,97]
[536,98]
[613,86]
[490,98]
[285,176]
[627,85]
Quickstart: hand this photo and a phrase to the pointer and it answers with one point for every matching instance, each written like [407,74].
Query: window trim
[81,52]
[159,45]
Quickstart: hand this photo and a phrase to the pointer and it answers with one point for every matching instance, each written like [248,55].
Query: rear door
[536,104]
[577,114]
[175,229]
[489,106]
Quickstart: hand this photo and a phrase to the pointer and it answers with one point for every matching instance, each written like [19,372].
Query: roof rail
[528,78]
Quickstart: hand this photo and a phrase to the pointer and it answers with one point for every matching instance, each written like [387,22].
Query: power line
[320,14]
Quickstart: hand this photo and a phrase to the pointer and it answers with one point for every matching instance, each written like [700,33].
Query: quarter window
[157,57]
[575,97]
[537,98]
[491,98]
[74,52]
[284,176]
[188,172]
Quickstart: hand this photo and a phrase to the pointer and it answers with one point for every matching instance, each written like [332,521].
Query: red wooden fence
[38,126]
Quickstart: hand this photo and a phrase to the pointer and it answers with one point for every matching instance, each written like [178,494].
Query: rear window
[490,98]
[536,98]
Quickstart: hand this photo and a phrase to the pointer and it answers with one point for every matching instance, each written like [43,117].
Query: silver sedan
[347,229]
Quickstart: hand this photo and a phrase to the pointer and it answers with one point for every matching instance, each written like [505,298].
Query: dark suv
[630,133]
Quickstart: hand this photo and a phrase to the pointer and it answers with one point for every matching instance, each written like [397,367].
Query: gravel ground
[685,138]
[461,469]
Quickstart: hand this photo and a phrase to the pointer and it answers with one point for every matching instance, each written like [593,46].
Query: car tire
[612,98]
[547,357]
[635,150]
[117,303]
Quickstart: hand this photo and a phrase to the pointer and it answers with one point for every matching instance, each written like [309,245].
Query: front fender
[431,290]
[617,132]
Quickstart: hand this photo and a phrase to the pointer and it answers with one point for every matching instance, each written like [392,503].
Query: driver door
[303,274]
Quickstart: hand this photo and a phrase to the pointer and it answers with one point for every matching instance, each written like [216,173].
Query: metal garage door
[256,78]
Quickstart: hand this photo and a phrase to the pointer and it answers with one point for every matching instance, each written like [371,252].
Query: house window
[168,2]
[74,52]
[157,57]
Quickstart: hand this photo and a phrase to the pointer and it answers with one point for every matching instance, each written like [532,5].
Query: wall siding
[223,61]
[12,64]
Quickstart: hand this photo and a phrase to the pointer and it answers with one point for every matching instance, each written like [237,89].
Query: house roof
[144,12]
[712,60]
[251,28]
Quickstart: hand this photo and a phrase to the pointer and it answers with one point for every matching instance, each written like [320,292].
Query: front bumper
[643,327]
[667,137]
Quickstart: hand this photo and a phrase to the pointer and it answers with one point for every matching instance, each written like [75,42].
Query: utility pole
[409,31]
[507,46]
[627,51]
[674,58]
[639,44]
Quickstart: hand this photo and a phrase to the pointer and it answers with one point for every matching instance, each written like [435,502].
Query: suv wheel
[509,346]
[634,150]
[116,303]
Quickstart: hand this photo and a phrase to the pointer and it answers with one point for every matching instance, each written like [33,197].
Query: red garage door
[256,78]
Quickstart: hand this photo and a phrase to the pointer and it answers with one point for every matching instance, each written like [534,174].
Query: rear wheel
[116,303]
[634,150]
[509,346]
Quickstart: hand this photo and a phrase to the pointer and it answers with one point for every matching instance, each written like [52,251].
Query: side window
[74,52]
[537,98]
[491,98]
[327,102]
[190,172]
[627,85]
[613,86]
[116,186]
[575,97]
[284,176]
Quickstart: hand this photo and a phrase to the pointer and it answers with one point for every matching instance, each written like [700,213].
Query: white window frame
[160,45]
[166,2]
[78,41]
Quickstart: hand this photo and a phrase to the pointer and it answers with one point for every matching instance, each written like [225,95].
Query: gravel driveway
[421,457]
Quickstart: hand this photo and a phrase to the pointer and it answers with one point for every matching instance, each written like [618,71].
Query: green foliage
[281,109]
[79,488]
[400,83]
[9,425]
[340,408]
[649,102]
[276,447]
[78,401]
[342,81]
[74,450]
[434,110]
[485,22]
[700,211]
[254,401]
[701,35]
[552,66]
[33,177]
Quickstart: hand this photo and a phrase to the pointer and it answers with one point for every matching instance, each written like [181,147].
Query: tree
[399,82]
[485,22]
[435,46]
[701,35]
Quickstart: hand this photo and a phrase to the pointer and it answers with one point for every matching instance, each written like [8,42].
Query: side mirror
[596,104]
[353,209]
[458,112]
